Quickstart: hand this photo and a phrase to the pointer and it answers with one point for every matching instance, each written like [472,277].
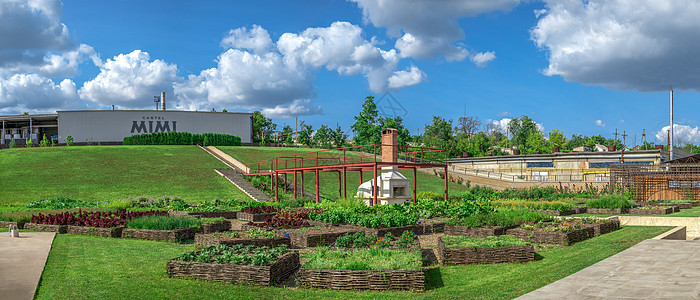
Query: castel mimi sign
[152,124]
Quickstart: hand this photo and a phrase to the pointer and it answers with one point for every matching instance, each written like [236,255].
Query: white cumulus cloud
[483,58]
[428,29]
[36,94]
[256,39]
[401,79]
[298,107]
[599,123]
[681,134]
[130,81]
[644,45]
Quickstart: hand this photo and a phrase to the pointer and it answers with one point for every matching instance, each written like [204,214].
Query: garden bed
[488,255]
[177,235]
[680,205]
[607,211]
[46,227]
[430,226]
[206,214]
[653,210]
[374,280]
[254,217]
[285,266]
[559,212]
[607,227]
[396,231]
[316,235]
[114,232]
[205,240]
[216,227]
[553,237]
[476,231]
[6,224]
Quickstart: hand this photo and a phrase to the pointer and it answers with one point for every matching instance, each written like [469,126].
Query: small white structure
[392,186]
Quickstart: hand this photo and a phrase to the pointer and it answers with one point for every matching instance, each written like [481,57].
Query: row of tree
[468,136]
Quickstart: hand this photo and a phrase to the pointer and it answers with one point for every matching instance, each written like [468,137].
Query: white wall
[114,125]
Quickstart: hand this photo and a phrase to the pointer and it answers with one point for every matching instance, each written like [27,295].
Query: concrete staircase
[234,176]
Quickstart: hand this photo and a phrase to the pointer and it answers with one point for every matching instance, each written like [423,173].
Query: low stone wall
[216,227]
[254,217]
[374,280]
[488,255]
[678,233]
[6,224]
[205,240]
[475,231]
[607,211]
[661,210]
[46,227]
[114,232]
[160,235]
[285,266]
[556,237]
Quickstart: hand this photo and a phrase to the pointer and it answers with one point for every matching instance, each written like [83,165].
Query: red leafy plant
[93,219]
[253,210]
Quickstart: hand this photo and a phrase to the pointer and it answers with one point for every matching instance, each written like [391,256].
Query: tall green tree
[366,126]
[263,128]
[304,136]
[439,135]
[339,137]
[557,138]
[322,137]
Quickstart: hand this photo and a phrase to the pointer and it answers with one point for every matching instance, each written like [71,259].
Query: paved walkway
[652,269]
[21,262]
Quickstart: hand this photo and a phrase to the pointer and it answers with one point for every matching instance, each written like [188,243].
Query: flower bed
[554,233]
[177,235]
[206,214]
[253,272]
[652,210]
[114,232]
[454,253]
[257,213]
[315,236]
[253,237]
[476,231]
[607,211]
[46,227]
[363,269]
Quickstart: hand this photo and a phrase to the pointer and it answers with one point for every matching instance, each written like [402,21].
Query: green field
[106,173]
[329,181]
[88,267]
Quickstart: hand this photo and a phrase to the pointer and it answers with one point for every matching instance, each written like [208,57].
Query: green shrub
[29,143]
[58,202]
[236,254]
[503,218]
[44,142]
[611,202]
[69,140]
[183,138]
[12,144]
[362,259]
[490,241]
[163,222]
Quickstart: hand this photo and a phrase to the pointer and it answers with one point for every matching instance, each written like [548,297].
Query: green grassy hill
[329,181]
[105,173]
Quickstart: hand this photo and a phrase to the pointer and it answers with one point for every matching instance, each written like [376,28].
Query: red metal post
[340,187]
[361,180]
[414,185]
[277,198]
[375,186]
[318,198]
[345,183]
[445,182]
[302,184]
[295,185]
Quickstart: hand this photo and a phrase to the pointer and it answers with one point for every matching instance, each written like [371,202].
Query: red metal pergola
[347,159]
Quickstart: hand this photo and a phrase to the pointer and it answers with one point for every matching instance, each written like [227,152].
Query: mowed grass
[106,173]
[88,267]
[329,181]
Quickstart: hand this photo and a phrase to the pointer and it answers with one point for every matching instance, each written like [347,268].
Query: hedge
[183,138]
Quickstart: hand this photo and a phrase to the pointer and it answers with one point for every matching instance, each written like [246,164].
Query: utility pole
[624,139]
[635,141]
[615,134]
[644,136]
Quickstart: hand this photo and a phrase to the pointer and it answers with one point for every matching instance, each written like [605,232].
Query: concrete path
[21,262]
[652,269]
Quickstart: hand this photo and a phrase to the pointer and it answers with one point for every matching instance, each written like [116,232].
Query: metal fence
[658,182]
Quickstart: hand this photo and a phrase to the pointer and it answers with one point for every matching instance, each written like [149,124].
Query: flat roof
[153,110]
[558,155]
[27,117]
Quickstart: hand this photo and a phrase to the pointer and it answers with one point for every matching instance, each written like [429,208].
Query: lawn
[87,267]
[329,181]
[105,173]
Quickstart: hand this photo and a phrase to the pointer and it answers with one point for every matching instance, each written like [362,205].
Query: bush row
[183,138]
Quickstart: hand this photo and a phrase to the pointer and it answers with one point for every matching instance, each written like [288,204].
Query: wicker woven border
[205,240]
[160,235]
[374,280]
[488,255]
[607,211]
[300,239]
[216,227]
[476,231]
[430,227]
[254,217]
[206,214]
[6,224]
[581,210]
[607,227]
[396,231]
[115,232]
[559,212]
[680,206]
[285,266]
[562,238]
[657,211]
[46,227]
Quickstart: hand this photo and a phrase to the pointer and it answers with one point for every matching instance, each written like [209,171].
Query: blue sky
[586,68]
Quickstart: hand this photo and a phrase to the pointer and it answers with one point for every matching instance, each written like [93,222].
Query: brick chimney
[390,141]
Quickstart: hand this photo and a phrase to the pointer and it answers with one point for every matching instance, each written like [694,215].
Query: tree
[477,145]
[322,137]
[439,134]
[404,136]
[526,136]
[468,125]
[557,138]
[304,135]
[263,128]
[366,126]
[339,137]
